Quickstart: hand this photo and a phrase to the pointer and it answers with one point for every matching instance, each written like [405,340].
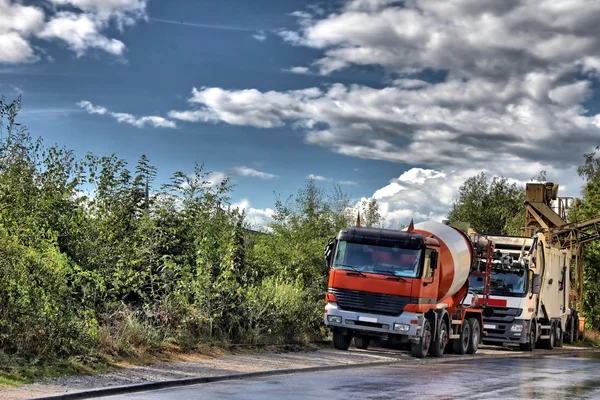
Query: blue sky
[395,101]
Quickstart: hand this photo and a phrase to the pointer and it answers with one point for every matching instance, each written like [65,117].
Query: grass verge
[15,372]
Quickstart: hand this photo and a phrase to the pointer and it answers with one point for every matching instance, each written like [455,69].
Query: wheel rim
[427,338]
[476,335]
[444,339]
[466,334]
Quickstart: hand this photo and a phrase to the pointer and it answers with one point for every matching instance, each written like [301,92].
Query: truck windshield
[377,259]
[503,283]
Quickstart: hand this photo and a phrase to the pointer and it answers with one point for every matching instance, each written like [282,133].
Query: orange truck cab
[403,286]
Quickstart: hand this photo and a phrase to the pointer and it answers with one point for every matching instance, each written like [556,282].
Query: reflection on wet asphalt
[556,377]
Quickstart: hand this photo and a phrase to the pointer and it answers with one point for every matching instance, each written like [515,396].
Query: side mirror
[434,260]
[535,284]
[328,253]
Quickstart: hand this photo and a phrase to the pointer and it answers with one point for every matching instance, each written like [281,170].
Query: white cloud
[17,23]
[299,70]
[427,194]
[140,122]
[465,37]
[92,109]
[124,11]
[246,107]
[260,36]
[251,172]
[347,183]
[319,178]
[80,32]
[14,49]
[255,217]
[81,26]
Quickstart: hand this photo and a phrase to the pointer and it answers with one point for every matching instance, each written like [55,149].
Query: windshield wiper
[353,268]
[392,275]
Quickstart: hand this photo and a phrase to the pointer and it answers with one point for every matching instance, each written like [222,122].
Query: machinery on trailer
[410,285]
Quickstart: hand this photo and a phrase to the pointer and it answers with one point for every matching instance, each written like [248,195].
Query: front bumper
[376,324]
[502,332]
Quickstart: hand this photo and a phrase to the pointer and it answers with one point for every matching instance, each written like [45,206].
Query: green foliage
[370,216]
[94,256]
[589,207]
[492,208]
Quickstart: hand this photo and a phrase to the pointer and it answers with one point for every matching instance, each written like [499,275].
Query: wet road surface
[556,377]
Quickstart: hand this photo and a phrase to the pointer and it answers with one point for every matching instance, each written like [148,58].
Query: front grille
[502,318]
[378,303]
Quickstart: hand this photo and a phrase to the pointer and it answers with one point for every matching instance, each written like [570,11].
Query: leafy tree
[589,207]
[490,208]
[370,216]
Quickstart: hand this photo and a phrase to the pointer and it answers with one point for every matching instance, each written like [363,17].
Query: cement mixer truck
[410,285]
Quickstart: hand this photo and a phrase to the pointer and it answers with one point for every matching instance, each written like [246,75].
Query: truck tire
[341,341]
[530,345]
[559,335]
[569,331]
[549,343]
[441,340]
[362,342]
[421,348]
[461,345]
[475,335]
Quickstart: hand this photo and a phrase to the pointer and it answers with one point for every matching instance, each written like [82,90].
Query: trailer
[410,285]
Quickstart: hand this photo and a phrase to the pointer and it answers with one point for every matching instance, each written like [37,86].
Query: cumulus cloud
[80,32]
[246,107]
[251,172]
[139,122]
[17,24]
[319,178]
[125,12]
[80,24]
[256,218]
[260,36]
[299,70]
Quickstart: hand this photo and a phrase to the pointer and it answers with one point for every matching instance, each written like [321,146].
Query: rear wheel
[569,331]
[475,335]
[559,335]
[362,342]
[461,345]
[551,341]
[530,345]
[441,340]
[341,341]
[421,348]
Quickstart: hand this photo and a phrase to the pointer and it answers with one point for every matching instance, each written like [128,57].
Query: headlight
[516,328]
[334,318]
[401,327]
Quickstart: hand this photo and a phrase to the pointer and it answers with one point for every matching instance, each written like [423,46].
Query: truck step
[545,326]
[544,336]
[453,336]
[457,322]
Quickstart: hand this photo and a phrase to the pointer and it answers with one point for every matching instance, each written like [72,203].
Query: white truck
[529,294]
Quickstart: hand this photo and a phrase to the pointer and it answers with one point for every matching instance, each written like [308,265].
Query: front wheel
[341,341]
[530,345]
[475,335]
[421,348]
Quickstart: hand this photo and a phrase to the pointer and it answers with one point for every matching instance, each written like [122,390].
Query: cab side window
[427,271]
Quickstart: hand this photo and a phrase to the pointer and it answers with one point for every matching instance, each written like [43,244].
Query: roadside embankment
[201,368]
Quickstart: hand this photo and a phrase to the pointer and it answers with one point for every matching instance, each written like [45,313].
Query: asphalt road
[553,377]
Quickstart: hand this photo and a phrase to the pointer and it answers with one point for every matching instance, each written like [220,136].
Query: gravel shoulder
[204,366]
